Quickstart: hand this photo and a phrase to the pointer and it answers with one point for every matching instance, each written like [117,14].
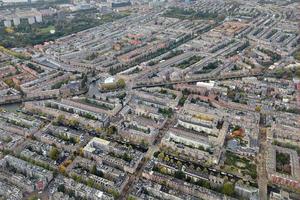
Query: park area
[52,28]
[239,165]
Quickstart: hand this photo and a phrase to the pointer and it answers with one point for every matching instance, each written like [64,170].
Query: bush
[182,100]
[61,188]
[297,55]
[166,112]
[54,153]
[179,175]
[121,83]
[228,189]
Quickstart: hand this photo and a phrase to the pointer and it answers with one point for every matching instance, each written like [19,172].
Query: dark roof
[120,4]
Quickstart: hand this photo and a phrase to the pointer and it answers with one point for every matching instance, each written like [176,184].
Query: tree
[98,130]
[61,188]
[114,193]
[77,178]
[60,118]
[62,169]
[192,167]
[161,156]
[167,159]
[94,169]
[112,130]
[81,152]
[185,91]
[179,175]
[206,184]
[121,83]
[131,198]
[297,73]
[33,198]
[90,183]
[73,140]
[84,81]
[228,189]
[54,153]
[126,157]
[73,123]
[182,100]
[257,108]
[179,164]
[71,193]
[163,170]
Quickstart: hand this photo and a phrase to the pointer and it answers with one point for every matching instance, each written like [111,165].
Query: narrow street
[261,161]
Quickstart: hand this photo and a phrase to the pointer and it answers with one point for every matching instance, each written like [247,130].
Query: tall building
[16,21]
[7,23]
[38,18]
[31,20]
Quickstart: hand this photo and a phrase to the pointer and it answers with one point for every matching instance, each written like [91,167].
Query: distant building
[7,23]
[16,21]
[120,4]
[31,20]
[38,18]
[14,1]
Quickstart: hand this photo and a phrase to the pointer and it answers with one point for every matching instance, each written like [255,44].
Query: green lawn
[45,30]
[245,165]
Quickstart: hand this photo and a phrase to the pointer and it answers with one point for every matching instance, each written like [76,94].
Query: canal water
[11,107]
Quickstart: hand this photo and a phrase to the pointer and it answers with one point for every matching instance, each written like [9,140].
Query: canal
[11,107]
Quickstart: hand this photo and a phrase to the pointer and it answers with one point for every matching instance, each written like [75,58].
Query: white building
[31,20]
[38,18]
[7,23]
[16,21]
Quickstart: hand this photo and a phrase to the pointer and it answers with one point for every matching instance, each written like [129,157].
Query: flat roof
[89,146]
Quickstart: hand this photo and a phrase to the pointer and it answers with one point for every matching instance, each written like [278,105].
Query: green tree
[90,183]
[54,153]
[73,123]
[84,81]
[179,164]
[179,175]
[161,156]
[112,130]
[60,118]
[61,188]
[182,100]
[131,198]
[167,159]
[258,108]
[163,170]
[228,189]
[126,157]
[114,193]
[297,73]
[94,169]
[33,198]
[121,83]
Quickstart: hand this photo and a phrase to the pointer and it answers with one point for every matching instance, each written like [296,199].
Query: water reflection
[11,107]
